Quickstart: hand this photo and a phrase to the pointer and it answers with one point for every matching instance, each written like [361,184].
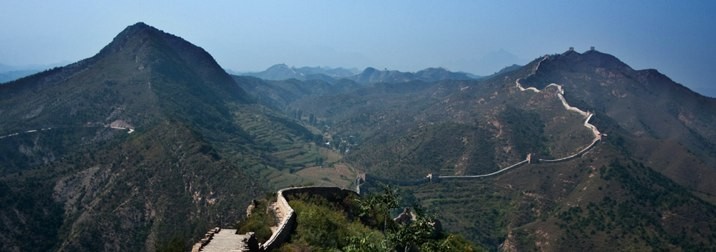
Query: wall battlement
[284,213]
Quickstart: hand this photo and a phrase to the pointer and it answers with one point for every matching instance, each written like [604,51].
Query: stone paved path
[226,240]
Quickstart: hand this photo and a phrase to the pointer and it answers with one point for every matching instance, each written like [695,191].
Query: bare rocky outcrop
[121,124]
[405,218]
[78,190]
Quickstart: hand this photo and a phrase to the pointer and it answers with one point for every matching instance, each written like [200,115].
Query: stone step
[227,240]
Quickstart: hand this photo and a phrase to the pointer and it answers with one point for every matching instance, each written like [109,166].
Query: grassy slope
[602,201]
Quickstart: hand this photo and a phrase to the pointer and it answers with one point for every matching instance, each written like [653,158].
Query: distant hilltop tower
[571,49]
[591,48]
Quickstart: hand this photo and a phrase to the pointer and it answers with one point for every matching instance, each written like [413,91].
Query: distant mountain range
[372,75]
[13,75]
[9,73]
[369,75]
[284,72]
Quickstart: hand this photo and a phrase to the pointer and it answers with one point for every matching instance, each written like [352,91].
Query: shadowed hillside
[143,146]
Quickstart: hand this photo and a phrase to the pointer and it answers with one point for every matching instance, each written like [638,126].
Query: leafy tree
[331,226]
[367,243]
[378,206]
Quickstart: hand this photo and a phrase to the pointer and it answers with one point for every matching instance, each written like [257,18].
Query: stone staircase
[225,240]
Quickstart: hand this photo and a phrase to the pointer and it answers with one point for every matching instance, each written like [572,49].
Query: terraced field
[296,155]
[477,208]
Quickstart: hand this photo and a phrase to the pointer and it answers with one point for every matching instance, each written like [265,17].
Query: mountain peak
[284,72]
[278,72]
[434,70]
[439,73]
[591,58]
[282,65]
[139,26]
[574,61]
[547,69]
[431,74]
[136,32]
[138,29]
[370,70]
[279,67]
[140,35]
[143,70]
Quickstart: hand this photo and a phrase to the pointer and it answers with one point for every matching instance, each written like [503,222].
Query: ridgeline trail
[129,130]
[528,160]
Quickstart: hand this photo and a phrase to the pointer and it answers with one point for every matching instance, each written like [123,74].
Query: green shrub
[260,222]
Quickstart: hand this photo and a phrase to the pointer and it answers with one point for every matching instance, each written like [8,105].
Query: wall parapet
[287,216]
[526,161]
[287,221]
[204,241]
[529,160]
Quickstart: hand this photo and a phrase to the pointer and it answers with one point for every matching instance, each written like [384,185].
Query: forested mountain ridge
[281,72]
[140,147]
[654,114]
[284,72]
[405,130]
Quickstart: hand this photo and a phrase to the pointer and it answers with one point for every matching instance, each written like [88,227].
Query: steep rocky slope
[143,146]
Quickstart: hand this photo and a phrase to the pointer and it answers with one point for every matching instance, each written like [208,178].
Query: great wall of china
[218,239]
[528,160]
[287,217]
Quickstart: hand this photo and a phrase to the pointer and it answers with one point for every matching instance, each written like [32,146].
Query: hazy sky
[676,37]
